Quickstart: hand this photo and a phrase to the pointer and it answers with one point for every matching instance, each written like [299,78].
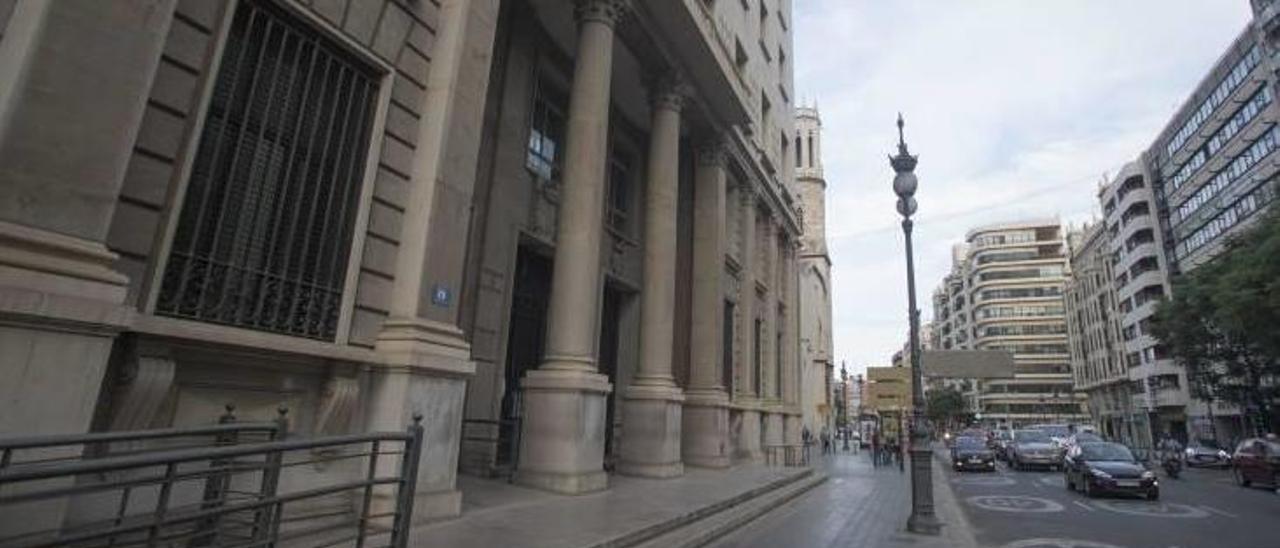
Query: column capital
[712,151]
[670,91]
[608,12]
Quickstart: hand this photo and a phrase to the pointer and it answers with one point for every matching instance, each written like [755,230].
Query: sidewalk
[860,505]
[495,513]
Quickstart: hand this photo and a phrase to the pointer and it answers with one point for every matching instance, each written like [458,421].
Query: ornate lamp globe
[904,184]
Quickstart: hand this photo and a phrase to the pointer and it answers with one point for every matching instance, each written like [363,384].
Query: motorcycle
[1172,466]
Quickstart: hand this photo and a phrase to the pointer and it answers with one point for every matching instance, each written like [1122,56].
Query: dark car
[1206,453]
[1100,467]
[972,453]
[1257,460]
[1034,448]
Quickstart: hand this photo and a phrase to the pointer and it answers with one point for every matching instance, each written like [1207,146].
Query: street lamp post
[922,520]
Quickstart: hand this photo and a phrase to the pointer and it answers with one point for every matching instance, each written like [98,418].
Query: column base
[562,434]
[705,427]
[651,431]
[747,433]
[773,434]
[791,429]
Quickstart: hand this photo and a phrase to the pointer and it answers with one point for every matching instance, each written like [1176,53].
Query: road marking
[1015,503]
[1057,543]
[1151,509]
[1083,505]
[1225,513]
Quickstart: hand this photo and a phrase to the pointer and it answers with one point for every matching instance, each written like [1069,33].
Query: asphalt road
[1202,509]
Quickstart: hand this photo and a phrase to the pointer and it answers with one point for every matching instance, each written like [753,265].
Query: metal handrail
[56,440]
[214,515]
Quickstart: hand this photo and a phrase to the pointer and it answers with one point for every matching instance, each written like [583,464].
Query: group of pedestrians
[885,451]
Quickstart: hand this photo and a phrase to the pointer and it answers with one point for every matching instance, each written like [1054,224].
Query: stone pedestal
[705,441]
[424,370]
[651,419]
[792,427]
[747,435]
[773,421]
[562,444]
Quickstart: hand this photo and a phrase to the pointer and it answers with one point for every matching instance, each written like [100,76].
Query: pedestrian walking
[875,449]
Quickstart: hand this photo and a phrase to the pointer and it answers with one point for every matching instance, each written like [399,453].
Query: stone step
[705,524]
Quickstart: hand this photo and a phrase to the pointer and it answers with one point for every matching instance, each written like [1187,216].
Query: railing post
[368,491]
[218,482]
[408,484]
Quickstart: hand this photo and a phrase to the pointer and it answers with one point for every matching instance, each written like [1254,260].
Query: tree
[1221,323]
[945,405]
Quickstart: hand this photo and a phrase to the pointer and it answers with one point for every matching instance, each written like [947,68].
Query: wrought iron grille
[266,224]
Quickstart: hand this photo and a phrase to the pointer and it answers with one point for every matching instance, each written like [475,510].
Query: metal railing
[246,495]
[69,447]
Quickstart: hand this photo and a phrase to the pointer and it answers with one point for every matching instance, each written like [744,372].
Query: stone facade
[571,228]
[157,264]
[630,289]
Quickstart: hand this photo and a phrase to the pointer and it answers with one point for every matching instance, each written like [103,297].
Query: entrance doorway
[610,317]
[524,339]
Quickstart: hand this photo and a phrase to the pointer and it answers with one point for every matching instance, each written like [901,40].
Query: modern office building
[572,219]
[1214,164]
[817,364]
[1004,292]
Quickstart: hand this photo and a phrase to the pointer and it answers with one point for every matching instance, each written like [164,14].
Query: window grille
[619,191]
[265,229]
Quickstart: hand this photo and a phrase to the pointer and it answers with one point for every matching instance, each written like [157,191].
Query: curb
[956,527]
[649,532]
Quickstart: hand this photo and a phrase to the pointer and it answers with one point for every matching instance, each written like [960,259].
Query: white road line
[1211,509]
[1083,505]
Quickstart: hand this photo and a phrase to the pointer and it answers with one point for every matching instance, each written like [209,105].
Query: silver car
[1035,448]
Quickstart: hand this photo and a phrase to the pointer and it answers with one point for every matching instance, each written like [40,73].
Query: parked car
[972,453]
[1100,467]
[1206,453]
[1034,448]
[1257,460]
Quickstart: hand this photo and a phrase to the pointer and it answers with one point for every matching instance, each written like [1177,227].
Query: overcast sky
[1016,108]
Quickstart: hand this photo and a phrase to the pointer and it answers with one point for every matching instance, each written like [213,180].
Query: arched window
[798,157]
[811,164]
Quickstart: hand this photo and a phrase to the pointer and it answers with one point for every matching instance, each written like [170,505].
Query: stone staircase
[701,526]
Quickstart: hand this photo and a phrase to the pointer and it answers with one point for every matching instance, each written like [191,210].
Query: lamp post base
[923,521]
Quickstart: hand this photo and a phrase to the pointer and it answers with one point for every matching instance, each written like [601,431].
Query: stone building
[1004,292]
[1093,333]
[817,361]
[630,286]
[577,213]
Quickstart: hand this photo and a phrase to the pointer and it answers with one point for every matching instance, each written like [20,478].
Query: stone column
[74,80]
[651,408]
[748,398]
[706,407]
[562,439]
[791,342]
[771,370]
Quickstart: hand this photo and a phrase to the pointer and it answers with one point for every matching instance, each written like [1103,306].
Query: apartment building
[1005,292]
[1093,331]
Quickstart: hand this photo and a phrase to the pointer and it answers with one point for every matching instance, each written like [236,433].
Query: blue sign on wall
[441,295]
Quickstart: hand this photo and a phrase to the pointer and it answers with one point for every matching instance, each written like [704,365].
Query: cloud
[1016,108]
